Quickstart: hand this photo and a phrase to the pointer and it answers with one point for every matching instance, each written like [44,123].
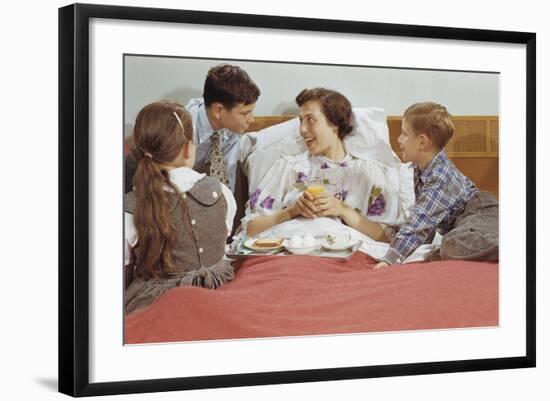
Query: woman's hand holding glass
[304,206]
[327,205]
[316,201]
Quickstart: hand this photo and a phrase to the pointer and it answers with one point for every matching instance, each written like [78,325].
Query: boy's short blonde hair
[431,119]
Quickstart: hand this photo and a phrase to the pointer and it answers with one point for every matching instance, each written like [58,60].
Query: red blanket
[305,295]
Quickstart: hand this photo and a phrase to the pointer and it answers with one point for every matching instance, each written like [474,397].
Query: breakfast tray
[242,252]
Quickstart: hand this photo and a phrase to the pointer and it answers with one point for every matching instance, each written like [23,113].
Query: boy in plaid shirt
[446,200]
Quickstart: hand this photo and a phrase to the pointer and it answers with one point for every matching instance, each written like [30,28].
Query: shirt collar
[184,178]
[204,128]
[439,158]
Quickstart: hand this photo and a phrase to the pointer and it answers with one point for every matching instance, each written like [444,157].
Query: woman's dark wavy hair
[335,106]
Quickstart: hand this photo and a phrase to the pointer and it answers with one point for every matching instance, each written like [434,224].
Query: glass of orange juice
[315,185]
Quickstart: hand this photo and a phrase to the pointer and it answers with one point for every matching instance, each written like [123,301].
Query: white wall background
[28,205]
[149,78]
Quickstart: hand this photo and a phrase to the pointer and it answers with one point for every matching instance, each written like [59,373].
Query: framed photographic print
[287,310]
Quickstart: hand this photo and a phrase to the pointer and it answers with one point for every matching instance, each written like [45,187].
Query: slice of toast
[268,242]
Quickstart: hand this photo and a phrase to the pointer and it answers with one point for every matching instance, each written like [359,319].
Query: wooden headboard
[473,147]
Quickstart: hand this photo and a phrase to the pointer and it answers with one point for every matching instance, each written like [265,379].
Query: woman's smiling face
[318,133]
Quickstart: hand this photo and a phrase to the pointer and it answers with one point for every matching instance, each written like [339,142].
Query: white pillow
[275,136]
[368,140]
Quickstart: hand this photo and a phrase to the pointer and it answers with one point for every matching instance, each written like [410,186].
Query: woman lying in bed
[357,190]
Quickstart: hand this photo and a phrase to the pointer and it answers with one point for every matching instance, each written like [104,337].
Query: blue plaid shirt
[442,192]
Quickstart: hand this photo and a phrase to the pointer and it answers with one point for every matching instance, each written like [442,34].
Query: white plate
[249,243]
[339,245]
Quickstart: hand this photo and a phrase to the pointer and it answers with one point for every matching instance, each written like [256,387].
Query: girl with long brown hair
[176,220]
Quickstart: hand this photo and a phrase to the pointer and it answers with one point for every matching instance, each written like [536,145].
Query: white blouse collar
[184,178]
[323,159]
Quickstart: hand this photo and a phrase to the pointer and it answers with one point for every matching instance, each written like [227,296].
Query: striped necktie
[217,163]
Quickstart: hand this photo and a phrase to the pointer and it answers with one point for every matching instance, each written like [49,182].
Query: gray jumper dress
[199,221]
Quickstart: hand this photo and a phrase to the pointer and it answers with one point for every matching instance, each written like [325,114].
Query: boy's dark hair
[431,119]
[335,106]
[229,85]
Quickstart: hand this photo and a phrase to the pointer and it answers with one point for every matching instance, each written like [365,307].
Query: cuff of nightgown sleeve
[406,191]
[246,219]
[392,257]
[249,216]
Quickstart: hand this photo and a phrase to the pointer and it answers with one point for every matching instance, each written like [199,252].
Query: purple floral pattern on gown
[341,195]
[253,197]
[350,181]
[377,206]
[267,203]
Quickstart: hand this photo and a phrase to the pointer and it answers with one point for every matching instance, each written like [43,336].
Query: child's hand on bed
[328,206]
[304,206]
[381,265]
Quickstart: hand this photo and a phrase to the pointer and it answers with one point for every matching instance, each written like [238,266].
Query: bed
[295,295]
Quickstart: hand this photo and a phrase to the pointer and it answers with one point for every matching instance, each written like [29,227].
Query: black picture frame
[74,194]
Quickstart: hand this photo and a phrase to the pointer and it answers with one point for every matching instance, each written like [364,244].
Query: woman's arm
[302,207]
[328,205]
[361,223]
[262,223]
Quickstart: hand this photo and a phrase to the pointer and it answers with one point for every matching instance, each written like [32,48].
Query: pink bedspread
[306,295]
